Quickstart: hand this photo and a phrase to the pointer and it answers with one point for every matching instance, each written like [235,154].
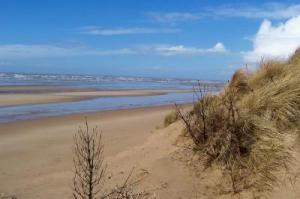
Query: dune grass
[244,129]
[171,118]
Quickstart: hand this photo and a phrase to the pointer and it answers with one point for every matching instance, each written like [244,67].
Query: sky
[198,39]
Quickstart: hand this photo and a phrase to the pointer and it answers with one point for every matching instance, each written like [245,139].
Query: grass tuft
[171,118]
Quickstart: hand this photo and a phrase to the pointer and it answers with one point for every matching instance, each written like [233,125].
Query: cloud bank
[275,41]
[277,11]
[269,10]
[94,30]
[172,17]
[17,51]
[183,50]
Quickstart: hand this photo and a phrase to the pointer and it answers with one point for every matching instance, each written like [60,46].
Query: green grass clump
[244,129]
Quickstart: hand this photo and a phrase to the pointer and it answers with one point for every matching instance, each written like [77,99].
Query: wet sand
[24,95]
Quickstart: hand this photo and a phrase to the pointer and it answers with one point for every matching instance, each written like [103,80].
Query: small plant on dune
[126,190]
[295,58]
[244,129]
[171,118]
[89,170]
[88,163]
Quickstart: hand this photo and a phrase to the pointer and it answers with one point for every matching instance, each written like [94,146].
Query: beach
[150,99]
[38,123]
[36,155]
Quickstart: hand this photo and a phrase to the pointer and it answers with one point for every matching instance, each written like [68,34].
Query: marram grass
[244,128]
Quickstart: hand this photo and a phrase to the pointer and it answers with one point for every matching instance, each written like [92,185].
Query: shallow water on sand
[94,82]
[24,112]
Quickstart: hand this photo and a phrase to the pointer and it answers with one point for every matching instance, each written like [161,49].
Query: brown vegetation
[245,128]
[88,163]
[89,170]
[171,118]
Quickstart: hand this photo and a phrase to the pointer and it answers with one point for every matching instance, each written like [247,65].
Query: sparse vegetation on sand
[90,170]
[249,128]
[171,118]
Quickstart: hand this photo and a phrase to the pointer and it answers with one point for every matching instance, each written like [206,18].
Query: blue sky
[188,39]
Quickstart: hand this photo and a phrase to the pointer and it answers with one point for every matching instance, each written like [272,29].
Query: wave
[93,78]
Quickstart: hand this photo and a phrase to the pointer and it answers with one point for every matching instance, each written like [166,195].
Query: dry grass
[244,128]
[171,118]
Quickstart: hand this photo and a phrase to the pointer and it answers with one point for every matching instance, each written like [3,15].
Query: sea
[97,82]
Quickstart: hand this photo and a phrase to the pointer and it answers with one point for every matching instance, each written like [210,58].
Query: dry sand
[12,95]
[36,156]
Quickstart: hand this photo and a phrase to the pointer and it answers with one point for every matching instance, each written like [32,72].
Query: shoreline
[100,112]
[18,99]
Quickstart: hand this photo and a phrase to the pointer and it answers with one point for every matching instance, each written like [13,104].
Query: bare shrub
[89,170]
[88,163]
[126,190]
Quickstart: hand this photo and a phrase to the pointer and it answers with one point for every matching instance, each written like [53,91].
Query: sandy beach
[36,155]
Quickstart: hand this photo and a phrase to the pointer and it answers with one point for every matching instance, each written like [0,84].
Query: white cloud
[23,51]
[219,47]
[269,10]
[273,41]
[17,51]
[94,30]
[13,51]
[172,17]
[169,50]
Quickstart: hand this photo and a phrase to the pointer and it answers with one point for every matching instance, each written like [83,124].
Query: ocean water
[94,81]
[24,112]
